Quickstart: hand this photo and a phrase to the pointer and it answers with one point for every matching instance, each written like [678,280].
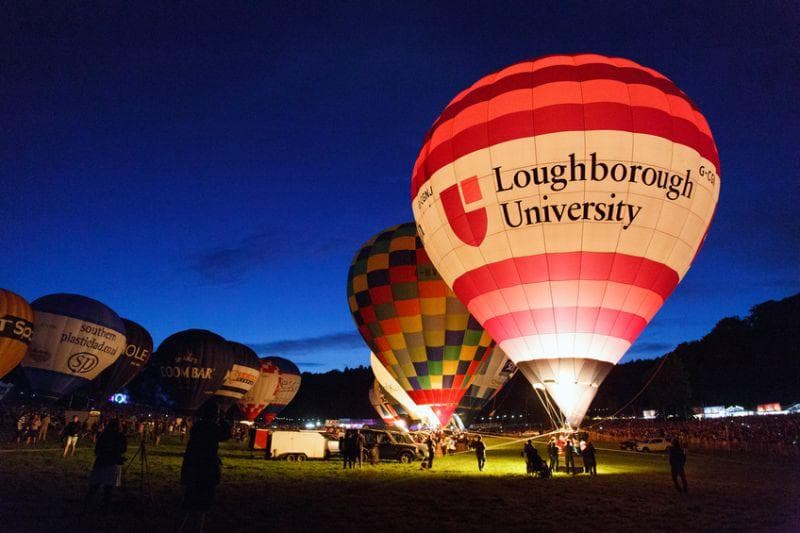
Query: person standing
[361,441]
[71,432]
[677,462]
[158,430]
[552,453]
[22,423]
[528,452]
[343,451]
[33,432]
[589,459]
[201,471]
[480,452]
[431,451]
[109,457]
[45,426]
[569,457]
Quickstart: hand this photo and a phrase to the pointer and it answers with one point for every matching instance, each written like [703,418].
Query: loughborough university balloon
[563,199]
[191,366]
[411,320]
[16,330]
[75,338]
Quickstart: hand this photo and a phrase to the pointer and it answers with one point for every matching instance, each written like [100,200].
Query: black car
[393,445]
[627,445]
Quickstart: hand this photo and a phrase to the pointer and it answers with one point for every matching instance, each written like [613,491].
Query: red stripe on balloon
[436,396]
[598,320]
[443,400]
[563,266]
[553,74]
[561,118]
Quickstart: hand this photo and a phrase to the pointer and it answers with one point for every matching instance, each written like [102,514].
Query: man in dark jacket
[431,450]
[677,461]
[589,459]
[71,432]
[552,453]
[534,461]
[480,452]
[201,470]
[569,457]
[529,452]
[109,457]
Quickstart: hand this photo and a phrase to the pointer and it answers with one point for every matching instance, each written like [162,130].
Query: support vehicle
[300,445]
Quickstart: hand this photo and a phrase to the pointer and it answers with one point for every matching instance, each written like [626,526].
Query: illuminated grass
[40,491]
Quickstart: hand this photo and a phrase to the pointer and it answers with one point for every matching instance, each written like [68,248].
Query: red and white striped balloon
[563,199]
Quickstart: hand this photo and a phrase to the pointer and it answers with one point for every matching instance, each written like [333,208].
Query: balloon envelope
[75,338]
[288,385]
[16,330]
[495,371]
[563,199]
[413,322]
[399,396]
[381,402]
[240,378]
[192,366]
[263,392]
[139,346]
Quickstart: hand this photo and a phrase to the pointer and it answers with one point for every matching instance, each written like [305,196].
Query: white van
[300,445]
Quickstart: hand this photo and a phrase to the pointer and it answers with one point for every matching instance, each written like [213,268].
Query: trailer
[300,445]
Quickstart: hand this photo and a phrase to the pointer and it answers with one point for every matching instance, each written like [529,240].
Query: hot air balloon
[75,338]
[137,352]
[240,378]
[563,199]
[263,392]
[380,401]
[16,330]
[398,397]
[288,385]
[413,322]
[495,371]
[192,366]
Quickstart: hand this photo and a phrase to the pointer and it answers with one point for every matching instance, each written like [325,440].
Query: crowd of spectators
[31,426]
[777,434]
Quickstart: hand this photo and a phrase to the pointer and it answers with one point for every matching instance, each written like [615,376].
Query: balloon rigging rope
[555,420]
[644,387]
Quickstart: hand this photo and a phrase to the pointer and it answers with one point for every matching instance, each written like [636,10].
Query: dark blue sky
[218,167]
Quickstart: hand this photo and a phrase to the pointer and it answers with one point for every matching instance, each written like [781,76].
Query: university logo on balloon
[563,199]
[468,226]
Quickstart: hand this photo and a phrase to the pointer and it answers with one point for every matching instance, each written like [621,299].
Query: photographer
[201,470]
[109,458]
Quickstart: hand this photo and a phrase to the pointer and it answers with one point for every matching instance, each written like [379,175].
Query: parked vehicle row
[310,444]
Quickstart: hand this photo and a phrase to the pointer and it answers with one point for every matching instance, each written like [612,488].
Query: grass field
[40,491]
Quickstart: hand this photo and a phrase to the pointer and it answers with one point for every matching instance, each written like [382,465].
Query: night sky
[198,166]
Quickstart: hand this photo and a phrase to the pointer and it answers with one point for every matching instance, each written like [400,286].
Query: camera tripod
[144,468]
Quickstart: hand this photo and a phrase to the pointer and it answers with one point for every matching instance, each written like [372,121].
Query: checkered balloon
[412,321]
